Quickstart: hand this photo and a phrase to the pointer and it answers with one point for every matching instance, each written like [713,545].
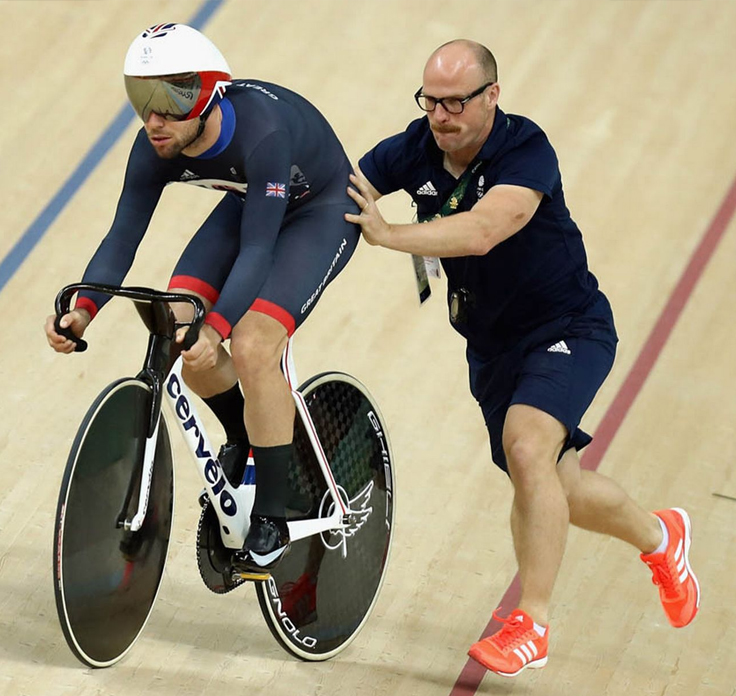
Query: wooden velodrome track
[638,99]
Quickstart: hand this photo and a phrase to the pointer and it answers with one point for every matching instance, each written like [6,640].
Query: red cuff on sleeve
[275,312]
[195,285]
[89,305]
[219,324]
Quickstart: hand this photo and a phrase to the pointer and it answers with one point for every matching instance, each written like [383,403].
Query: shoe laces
[511,633]
[665,576]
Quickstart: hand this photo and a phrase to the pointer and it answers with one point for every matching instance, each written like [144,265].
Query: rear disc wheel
[317,600]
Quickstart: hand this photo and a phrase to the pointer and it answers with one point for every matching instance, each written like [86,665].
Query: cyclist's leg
[257,343]
[202,270]
[313,246]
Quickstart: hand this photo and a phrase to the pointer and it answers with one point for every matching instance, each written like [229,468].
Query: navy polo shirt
[534,277]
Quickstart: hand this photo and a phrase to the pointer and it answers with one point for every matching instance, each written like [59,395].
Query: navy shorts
[558,369]
[313,246]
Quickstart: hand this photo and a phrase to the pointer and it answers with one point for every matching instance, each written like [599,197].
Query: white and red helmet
[175,71]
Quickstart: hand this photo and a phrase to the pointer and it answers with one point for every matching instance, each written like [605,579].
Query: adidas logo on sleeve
[559,347]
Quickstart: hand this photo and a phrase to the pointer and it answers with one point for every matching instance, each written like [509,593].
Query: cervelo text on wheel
[115,506]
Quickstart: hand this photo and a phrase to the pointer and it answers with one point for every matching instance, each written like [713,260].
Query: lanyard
[449,207]
[461,300]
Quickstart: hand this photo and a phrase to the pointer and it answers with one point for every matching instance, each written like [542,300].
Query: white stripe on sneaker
[527,652]
[688,540]
[680,561]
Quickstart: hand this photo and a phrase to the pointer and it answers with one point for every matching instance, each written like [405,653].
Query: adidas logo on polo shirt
[559,347]
[427,190]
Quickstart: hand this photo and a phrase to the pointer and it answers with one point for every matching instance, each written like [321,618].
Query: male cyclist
[259,262]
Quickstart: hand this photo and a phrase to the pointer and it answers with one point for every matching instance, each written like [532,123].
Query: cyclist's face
[169,138]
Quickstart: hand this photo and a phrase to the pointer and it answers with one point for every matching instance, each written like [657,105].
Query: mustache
[446,129]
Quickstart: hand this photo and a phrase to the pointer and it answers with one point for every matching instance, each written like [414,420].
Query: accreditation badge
[432,264]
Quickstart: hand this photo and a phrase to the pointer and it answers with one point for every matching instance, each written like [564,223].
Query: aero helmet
[175,71]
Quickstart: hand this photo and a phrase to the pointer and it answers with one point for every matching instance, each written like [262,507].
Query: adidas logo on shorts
[559,347]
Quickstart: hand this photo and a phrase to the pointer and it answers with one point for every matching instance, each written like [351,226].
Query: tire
[106,579]
[316,601]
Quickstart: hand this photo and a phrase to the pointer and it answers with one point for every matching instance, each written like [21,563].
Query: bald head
[462,56]
[460,93]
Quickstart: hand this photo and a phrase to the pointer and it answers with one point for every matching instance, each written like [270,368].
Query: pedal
[246,575]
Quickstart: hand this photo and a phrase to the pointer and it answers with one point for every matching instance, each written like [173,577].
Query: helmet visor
[170,96]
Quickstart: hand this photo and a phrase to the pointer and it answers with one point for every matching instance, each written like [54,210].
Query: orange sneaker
[514,648]
[671,572]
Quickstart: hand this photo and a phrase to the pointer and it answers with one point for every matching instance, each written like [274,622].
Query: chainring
[213,558]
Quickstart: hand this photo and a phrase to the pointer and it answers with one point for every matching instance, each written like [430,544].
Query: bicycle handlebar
[63,300]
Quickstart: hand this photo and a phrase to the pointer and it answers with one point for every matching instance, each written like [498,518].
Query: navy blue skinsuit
[277,237]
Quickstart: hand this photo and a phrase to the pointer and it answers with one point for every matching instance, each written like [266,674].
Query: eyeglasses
[453,105]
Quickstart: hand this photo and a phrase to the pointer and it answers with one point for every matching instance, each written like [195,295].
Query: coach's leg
[532,440]
[598,504]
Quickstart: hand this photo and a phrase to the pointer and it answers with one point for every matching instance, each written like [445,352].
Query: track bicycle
[115,507]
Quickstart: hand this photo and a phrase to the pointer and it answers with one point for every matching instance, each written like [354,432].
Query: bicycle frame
[232,504]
